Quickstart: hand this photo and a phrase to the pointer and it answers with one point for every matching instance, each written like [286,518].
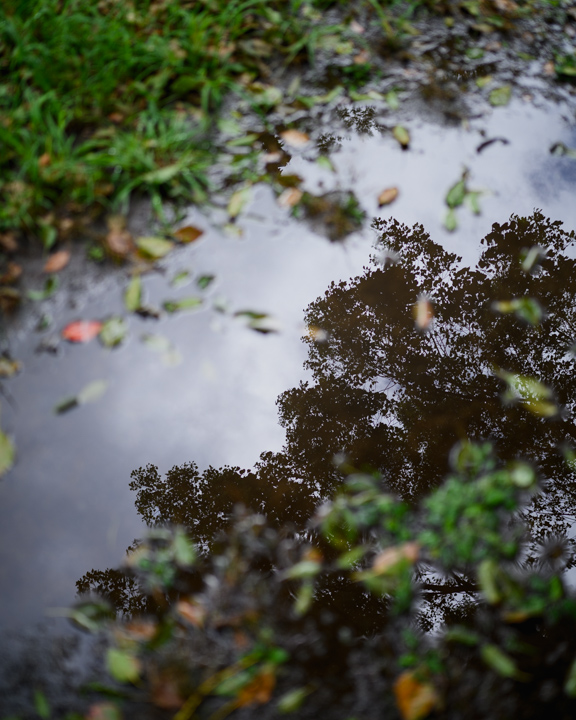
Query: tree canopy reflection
[388,397]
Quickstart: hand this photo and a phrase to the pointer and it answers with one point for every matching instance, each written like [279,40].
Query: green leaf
[500,96]
[561,149]
[7,453]
[238,200]
[154,248]
[500,662]
[92,392]
[472,199]
[133,294]
[392,100]
[114,330]
[570,682]
[455,196]
[41,705]
[450,221]
[474,53]
[292,700]
[50,287]
[303,569]
[123,666]
[204,281]
[402,136]
[184,549]
[324,162]
[181,278]
[488,572]
[188,303]
[526,309]
[161,344]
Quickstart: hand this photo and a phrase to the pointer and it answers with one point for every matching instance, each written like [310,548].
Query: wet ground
[66,506]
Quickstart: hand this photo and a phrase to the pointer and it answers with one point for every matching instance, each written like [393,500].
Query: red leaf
[81,331]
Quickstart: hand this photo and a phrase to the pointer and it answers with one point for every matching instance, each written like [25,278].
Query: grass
[102,100]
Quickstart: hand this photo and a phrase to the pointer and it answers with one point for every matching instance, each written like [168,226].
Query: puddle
[66,507]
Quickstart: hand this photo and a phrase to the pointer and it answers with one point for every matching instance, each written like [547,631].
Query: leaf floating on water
[118,241]
[181,278]
[57,261]
[387,196]
[415,698]
[41,705]
[188,234]
[114,330]
[7,453]
[561,149]
[50,287]
[295,138]
[324,162]
[82,331]
[503,664]
[527,309]
[238,200]
[529,392]
[261,322]
[392,100]
[290,197]
[8,367]
[133,294]
[189,303]
[154,248]
[500,96]
[423,313]
[90,393]
[402,136]
[456,194]
[160,344]
[204,281]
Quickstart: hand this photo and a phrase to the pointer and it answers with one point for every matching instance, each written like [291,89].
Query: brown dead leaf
[259,691]
[116,117]
[549,69]
[295,138]
[141,630]
[423,313]
[9,299]
[57,261]
[44,160]
[389,558]
[356,27]
[415,699]
[290,197]
[191,612]
[8,242]
[387,196]
[9,367]
[118,242]
[13,272]
[188,234]
[165,691]
[362,58]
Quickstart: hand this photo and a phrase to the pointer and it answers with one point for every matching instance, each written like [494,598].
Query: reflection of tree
[396,399]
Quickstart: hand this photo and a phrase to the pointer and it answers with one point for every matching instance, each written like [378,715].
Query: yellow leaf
[415,699]
[188,234]
[387,196]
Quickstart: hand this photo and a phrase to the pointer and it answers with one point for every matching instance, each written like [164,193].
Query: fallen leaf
[238,200]
[57,261]
[7,453]
[295,138]
[188,234]
[165,692]
[356,27]
[13,272]
[204,281]
[133,294]
[82,331]
[450,221]
[113,331]
[104,711]
[160,344]
[44,160]
[90,393]
[500,96]
[8,242]
[118,241]
[191,612]
[402,136]
[8,367]
[50,287]
[415,699]
[154,248]
[387,196]
[188,303]
[259,691]
[290,197]
[181,278]
[423,313]
[391,557]
[362,58]
[123,666]
[261,322]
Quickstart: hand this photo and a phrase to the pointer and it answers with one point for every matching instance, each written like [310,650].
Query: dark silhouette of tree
[395,399]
